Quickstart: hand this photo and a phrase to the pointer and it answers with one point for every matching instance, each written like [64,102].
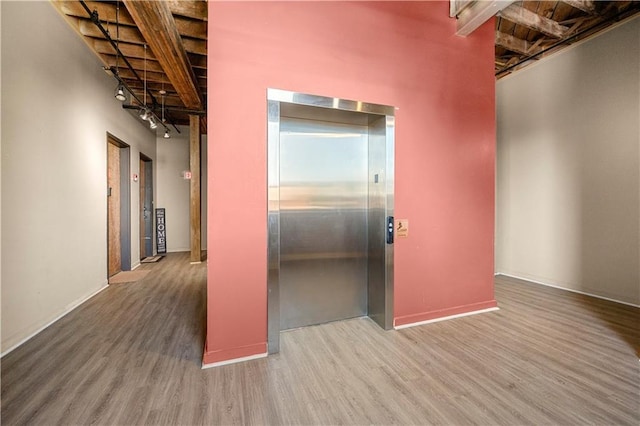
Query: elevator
[330,213]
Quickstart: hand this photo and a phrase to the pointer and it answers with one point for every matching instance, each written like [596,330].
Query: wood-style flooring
[132,355]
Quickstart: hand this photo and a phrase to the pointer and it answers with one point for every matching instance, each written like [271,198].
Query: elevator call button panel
[389,229]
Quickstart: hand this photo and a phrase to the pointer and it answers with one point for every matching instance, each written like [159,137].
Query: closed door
[146,207]
[323,221]
[113,210]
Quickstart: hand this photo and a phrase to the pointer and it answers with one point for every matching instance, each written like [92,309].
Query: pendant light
[120,93]
[144,112]
[120,89]
[163,93]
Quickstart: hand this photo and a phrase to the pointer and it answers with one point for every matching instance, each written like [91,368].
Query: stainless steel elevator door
[323,221]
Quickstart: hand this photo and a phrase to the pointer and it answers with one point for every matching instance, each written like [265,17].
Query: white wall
[57,107]
[568,209]
[174,190]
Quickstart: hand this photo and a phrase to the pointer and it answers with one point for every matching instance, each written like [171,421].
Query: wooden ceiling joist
[156,77]
[155,22]
[124,33]
[197,61]
[195,46]
[526,18]
[515,44]
[127,49]
[191,28]
[137,64]
[106,11]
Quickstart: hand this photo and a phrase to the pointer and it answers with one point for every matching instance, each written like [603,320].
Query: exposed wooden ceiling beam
[521,16]
[587,6]
[155,22]
[107,13]
[477,14]
[515,44]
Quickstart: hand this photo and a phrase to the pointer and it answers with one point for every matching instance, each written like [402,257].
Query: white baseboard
[465,314]
[68,309]
[234,360]
[597,296]
[136,265]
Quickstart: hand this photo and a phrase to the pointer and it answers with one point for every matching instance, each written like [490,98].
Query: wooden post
[194,209]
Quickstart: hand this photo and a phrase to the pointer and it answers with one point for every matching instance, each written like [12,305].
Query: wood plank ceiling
[175,35]
[529,30]
[171,35]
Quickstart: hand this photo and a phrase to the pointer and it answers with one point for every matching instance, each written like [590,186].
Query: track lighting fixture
[120,90]
[120,93]
[123,90]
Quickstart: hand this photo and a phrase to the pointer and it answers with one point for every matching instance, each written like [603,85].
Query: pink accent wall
[403,54]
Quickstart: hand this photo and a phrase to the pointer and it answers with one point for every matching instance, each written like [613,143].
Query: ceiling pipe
[615,17]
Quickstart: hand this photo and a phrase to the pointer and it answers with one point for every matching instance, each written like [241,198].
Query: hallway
[132,355]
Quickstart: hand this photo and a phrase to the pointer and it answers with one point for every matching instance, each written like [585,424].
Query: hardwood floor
[132,355]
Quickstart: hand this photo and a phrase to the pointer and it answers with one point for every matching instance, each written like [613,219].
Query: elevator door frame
[379,113]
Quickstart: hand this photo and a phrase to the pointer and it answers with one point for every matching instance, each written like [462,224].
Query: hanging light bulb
[163,93]
[120,90]
[120,93]
[152,122]
[144,114]
[166,134]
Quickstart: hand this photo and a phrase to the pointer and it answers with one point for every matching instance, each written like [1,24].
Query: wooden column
[194,209]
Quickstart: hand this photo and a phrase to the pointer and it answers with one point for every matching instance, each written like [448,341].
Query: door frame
[125,203]
[376,112]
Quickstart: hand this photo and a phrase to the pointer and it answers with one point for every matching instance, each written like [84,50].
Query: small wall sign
[402,228]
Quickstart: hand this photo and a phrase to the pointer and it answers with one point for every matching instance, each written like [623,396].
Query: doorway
[330,196]
[118,207]
[146,207]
